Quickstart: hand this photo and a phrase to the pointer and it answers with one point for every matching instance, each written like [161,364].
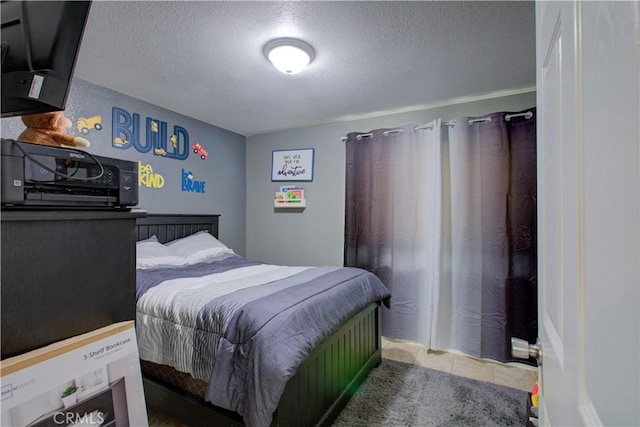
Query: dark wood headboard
[171,227]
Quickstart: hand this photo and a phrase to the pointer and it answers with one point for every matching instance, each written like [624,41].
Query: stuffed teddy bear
[48,129]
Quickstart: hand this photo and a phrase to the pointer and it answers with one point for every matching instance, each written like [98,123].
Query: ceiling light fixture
[289,55]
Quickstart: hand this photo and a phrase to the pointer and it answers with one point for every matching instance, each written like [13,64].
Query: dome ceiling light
[288,55]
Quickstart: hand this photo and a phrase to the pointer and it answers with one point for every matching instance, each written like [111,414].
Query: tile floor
[514,375]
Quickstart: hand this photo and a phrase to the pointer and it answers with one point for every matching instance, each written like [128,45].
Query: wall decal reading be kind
[292,165]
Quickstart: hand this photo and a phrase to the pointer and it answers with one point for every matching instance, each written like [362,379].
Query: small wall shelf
[295,203]
[290,197]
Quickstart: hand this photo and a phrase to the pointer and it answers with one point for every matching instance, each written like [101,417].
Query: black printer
[43,176]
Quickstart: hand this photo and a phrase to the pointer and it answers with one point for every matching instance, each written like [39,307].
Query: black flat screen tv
[40,43]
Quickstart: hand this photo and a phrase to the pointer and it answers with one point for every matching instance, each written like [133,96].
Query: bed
[327,362]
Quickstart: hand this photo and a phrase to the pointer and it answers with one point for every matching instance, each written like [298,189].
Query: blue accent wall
[185,166]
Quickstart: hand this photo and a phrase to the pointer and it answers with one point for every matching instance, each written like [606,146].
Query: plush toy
[48,129]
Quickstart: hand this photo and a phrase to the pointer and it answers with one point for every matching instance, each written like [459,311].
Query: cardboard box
[98,373]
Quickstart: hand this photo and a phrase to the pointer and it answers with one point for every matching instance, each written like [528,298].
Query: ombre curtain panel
[393,230]
[445,215]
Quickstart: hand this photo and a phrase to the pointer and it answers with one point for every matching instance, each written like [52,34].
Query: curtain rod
[481,120]
[390,131]
[527,115]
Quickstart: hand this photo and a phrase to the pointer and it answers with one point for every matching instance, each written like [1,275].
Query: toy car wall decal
[84,124]
[197,148]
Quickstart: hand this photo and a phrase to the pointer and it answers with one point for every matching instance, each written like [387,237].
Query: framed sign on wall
[292,165]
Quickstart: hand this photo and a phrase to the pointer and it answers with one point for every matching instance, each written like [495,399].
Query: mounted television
[40,42]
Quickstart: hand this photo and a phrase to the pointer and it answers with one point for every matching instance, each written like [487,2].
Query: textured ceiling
[204,59]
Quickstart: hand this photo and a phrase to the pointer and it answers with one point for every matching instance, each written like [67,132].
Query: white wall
[315,236]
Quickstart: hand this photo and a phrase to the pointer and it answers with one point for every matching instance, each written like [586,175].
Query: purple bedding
[249,342]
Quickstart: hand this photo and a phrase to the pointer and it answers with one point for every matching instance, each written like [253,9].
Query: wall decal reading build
[126,134]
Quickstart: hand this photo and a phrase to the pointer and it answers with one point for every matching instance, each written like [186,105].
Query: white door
[588,72]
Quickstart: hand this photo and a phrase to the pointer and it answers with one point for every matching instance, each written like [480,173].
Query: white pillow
[198,247]
[152,254]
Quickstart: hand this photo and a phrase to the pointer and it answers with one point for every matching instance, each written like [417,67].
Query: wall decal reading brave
[126,134]
[147,178]
[190,184]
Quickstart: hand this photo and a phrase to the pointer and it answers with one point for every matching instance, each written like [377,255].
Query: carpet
[399,394]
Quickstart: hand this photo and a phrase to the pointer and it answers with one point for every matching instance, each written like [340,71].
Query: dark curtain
[493,234]
[447,220]
[522,280]
[368,207]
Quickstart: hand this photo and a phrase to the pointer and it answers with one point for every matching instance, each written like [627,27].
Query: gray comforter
[249,342]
